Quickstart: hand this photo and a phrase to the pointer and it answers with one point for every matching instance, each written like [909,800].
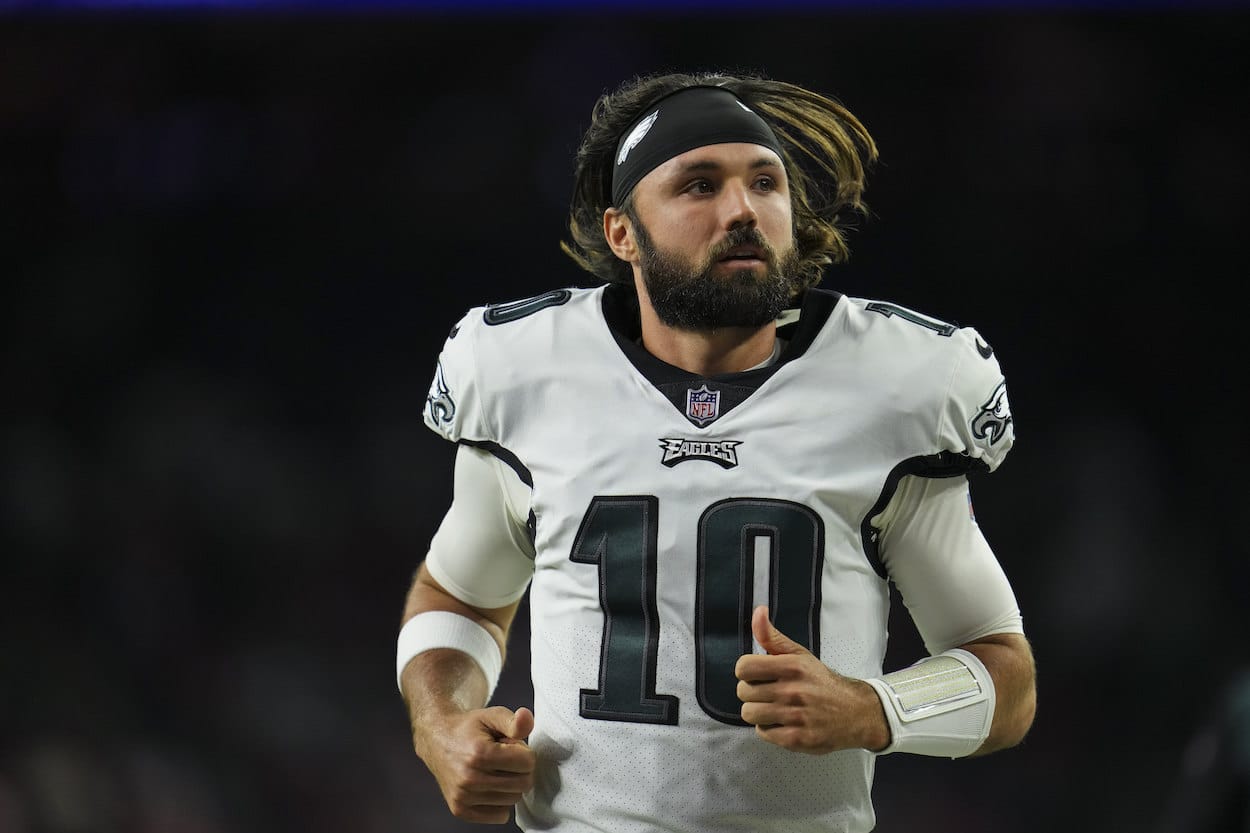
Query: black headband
[687,119]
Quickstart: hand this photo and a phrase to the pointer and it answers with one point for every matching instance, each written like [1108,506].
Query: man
[706,472]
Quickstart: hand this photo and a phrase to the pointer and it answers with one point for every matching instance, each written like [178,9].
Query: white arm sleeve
[950,581]
[482,553]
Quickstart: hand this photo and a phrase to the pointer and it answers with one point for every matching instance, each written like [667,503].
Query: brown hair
[825,150]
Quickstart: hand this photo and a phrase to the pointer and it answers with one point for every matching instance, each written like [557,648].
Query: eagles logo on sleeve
[439,403]
[992,420]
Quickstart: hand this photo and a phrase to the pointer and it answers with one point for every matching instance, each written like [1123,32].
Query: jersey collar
[798,327]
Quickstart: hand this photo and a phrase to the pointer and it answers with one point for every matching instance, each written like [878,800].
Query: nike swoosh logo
[984,349]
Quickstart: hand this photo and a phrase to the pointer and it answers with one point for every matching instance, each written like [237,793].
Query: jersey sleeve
[482,553]
[977,417]
[948,577]
[454,407]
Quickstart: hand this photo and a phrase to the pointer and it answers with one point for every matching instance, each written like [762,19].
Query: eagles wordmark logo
[723,453]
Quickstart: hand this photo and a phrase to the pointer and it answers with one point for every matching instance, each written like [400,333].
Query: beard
[689,297]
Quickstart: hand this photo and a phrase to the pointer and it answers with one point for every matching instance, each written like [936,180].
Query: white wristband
[443,629]
[941,706]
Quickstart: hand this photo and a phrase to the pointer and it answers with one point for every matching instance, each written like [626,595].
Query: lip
[743,253]
[743,257]
[743,264]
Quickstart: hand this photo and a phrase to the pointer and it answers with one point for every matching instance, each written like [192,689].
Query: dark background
[232,246]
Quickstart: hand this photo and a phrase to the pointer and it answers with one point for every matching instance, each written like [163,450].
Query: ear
[619,232]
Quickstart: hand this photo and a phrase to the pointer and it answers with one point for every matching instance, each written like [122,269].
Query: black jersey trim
[620,310]
[513,462]
[817,306]
[935,466]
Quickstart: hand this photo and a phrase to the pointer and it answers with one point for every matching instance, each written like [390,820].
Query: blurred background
[233,242]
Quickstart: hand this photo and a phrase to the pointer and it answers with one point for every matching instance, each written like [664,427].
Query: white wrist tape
[941,706]
[443,629]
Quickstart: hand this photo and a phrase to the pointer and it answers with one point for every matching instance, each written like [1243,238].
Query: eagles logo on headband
[682,121]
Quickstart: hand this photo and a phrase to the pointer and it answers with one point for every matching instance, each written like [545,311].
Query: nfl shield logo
[702,405]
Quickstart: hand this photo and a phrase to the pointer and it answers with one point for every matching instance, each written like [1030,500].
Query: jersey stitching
[477,382]
[946,399]
[519,526]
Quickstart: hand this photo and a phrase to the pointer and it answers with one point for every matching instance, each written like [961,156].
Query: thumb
[522,724]
[770,639]
[504,724]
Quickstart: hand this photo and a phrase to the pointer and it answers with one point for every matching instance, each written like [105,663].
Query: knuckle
[463,772]
[478,757]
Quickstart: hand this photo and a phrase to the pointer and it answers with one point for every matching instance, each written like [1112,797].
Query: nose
[738,209]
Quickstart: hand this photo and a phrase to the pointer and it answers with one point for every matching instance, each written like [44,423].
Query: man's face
[715,237]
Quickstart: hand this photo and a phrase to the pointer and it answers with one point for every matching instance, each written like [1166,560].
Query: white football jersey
[665,506]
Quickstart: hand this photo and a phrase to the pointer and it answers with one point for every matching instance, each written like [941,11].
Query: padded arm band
[443,629]
[941,706]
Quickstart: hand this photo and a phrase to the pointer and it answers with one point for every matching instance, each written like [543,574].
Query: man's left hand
[795,701]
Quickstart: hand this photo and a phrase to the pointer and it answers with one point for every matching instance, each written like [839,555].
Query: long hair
[825,150]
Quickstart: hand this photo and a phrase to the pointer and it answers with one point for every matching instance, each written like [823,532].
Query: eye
[699,186]
[766,183]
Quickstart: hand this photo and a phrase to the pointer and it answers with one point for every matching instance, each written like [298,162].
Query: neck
[710,352]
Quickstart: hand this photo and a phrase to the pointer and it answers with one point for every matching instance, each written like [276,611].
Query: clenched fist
[795,701]
[481,762]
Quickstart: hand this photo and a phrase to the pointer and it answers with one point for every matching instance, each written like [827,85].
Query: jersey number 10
[619,535]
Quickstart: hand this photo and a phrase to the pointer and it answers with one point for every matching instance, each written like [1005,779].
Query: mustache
[743,236]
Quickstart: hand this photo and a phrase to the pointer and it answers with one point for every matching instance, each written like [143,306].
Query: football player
[706,472]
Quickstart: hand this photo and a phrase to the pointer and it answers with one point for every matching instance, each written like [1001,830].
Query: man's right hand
[481,761]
